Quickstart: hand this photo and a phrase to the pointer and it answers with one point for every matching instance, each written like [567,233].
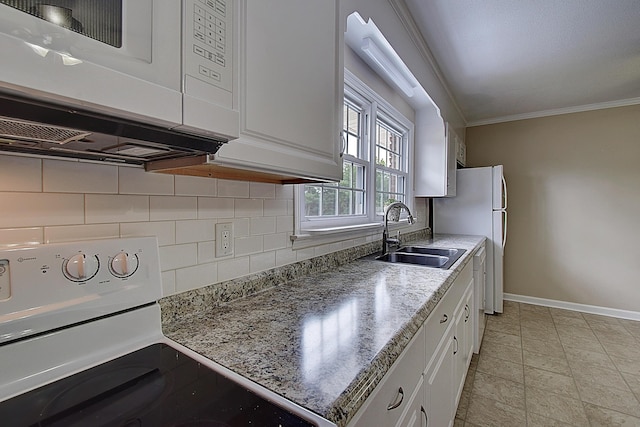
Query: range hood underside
[32,127]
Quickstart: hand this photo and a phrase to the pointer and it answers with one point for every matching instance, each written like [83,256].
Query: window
[375,166]
[390,166]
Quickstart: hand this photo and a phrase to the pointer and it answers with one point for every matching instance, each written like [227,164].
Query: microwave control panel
[208,46]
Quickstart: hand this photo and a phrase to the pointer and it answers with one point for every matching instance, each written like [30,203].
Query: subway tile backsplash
[50,201]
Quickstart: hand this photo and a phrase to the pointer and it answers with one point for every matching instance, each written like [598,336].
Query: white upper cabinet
[291,90]
[435,156]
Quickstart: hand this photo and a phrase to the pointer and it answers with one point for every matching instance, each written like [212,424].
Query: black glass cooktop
[155,386]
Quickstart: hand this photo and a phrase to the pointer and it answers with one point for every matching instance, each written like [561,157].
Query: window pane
[347,171]
[345,117]
[329,201]
[345,206]
[358,177]
[352,145]
[388,146]
[394,161]
[353,122]
[379,204]
[358,203]
[312,200]
[351,128]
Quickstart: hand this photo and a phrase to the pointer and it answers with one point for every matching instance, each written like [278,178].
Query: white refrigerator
[480,208]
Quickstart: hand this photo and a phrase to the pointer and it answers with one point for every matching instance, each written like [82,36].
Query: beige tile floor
[541,366]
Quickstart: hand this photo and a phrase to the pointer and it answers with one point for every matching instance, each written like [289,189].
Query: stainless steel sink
[407,258]
[449,252]
[419,255]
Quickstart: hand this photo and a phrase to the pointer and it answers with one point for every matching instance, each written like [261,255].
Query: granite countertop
[326,340]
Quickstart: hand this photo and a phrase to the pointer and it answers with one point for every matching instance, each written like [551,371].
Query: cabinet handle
[456,350]
[426,418]
[398,401]
[343,142]
[444,318]
[466,310]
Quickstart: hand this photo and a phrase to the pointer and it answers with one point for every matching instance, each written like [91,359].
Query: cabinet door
[439,387]
[291,89]
[435,157]
[470,322]
[390,400]
[459,370]
[416,414]
[463,339]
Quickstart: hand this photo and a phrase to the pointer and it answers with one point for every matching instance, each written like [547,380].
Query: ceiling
[503,59]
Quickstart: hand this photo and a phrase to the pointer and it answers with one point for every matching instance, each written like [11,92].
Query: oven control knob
[123,264]
[81,267]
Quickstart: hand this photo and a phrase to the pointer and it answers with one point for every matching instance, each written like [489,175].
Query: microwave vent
[29,131]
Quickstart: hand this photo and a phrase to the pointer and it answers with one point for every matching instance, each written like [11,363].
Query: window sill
[320,236]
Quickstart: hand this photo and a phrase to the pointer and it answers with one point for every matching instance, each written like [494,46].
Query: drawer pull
[398,401]
[426,418]
[444,318]
[456,350]
[466,310]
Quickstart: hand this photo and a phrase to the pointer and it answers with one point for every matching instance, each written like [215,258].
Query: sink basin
[449,252]
[419,255]
[420,259]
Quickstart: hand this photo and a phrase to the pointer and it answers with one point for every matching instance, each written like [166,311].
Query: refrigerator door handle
[504,192]
[504,229]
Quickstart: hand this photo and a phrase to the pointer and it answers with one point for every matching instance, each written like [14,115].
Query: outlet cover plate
[224,239]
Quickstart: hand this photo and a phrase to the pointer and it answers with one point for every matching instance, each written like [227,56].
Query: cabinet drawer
[443,315]
[405,373]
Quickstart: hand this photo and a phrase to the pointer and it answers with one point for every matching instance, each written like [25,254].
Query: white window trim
[333,230]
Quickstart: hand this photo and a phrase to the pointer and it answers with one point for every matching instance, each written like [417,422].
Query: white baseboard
[591,309]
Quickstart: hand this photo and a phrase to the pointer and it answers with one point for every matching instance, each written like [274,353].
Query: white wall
[574,204]
[48,201]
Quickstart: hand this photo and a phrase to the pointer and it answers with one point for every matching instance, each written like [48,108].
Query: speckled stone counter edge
[194,302]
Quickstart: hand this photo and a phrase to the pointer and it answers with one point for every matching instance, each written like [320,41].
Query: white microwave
[166,63]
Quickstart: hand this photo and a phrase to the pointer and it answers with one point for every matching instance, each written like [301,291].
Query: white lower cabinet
[424,385]
[479,281]
[416,413]
[439,398]
[391,398]
[463,341]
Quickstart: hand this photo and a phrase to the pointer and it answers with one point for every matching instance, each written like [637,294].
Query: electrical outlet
[224,239]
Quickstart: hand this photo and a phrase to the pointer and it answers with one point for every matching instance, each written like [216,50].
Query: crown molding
[401,9]
[556,112]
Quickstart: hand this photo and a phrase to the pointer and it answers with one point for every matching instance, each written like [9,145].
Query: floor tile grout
[565,331]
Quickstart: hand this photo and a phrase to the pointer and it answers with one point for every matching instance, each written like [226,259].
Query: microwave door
[123,36]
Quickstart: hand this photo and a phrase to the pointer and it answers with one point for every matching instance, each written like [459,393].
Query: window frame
[374,107]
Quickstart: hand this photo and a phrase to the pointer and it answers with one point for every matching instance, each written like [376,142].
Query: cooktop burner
[154,386]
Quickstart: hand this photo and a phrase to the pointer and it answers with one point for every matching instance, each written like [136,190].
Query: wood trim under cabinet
[196,166]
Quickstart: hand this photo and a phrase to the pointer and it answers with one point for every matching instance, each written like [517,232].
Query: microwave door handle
[504,192]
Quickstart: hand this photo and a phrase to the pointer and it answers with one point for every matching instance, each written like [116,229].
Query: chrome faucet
[386,240]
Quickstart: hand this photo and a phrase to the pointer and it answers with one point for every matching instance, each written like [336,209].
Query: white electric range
[81,344]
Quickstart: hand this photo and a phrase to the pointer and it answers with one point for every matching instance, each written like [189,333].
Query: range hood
[33,127]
